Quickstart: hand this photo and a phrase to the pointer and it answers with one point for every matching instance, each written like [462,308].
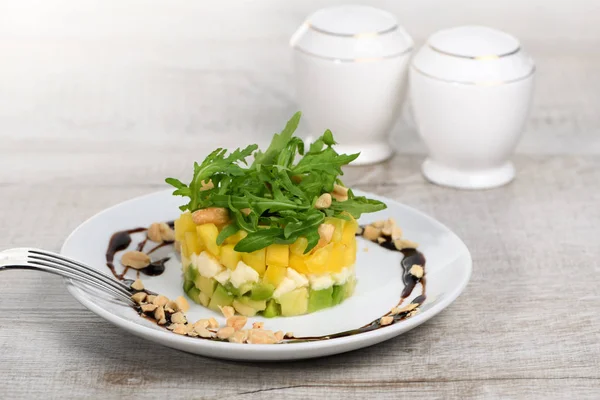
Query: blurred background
[189,72]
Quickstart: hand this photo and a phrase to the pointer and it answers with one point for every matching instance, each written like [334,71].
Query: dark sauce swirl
[121,240]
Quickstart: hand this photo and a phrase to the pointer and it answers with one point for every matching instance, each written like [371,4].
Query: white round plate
[378,271]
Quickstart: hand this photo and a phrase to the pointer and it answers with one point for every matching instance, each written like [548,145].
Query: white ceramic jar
[470,91]
[350,65]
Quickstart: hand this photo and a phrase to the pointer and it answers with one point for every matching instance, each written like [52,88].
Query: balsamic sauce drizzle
[121,240]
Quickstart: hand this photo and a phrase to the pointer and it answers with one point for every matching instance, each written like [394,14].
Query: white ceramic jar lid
[351,32]
[473,54]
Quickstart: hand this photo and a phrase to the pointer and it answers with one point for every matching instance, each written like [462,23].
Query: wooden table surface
[527,325]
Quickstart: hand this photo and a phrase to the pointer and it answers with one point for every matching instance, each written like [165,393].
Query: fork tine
[79,268]
[67,273]
[80,265]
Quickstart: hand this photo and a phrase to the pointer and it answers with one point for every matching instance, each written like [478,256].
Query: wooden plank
[526,327]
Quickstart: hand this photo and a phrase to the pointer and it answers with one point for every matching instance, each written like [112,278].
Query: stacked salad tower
[275,237]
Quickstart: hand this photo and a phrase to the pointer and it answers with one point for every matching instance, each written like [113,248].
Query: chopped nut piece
[324,201]
[371,232]
[225,333]
[137,285]
[388,227]
[402,244]
[212,323]
[172,306]
[409,307]
[182,304]
[340,190]
[359,230]
[386,320]
[180,329]
[178,318]
[150,298]
[238,337]
[227,311]
[380,240]
[378,224]
[279,336]
[172,326]
[161,300]
[246,211]
[203,332]
[135,259]
[159,316]
[237,322]
[201,324]
[416,271]
[215,215]
[289,335]
[166,233]
[139,297]
[258,325]
[193,334]
[154,233]
[206,185]
[326,234]
[147,308]
[396,232]
[261,336]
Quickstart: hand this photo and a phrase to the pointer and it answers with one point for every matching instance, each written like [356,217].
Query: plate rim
[359,340]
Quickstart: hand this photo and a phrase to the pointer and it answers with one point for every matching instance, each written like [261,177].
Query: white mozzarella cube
[286,286]
[297,277]
[207,265]
[243,273]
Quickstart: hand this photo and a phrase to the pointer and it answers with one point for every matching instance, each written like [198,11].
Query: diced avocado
[349,287]
[236,292]
[337,295]
[244,309]
[320,299]
[204,299]
[220,297]
[262,291]
[206,285]
[258,305]
[194,294]
[191,273]
[187,285]
[294,302]
[273,309]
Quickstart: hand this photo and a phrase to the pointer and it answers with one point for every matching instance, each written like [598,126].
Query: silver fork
[42,260]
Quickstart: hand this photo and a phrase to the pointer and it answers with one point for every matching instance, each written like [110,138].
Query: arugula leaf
[258,240]
[273,198]
[229,230]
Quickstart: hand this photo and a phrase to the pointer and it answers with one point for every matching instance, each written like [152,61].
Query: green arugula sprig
[279,191]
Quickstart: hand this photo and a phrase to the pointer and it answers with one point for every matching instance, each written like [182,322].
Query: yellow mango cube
[279,255]
[299,246]
[182,225]
[229,257]
[192,243]
[208,236]
[235,238]
[350,254]
[339,228]
[275,275]
[256,259]
[318,263]
[349,233]
[337,258]
[298,263]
